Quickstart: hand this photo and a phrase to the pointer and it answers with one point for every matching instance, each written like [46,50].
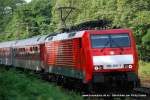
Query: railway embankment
[18,85]
[144,72]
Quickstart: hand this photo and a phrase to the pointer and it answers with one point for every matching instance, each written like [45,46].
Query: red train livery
[91,56]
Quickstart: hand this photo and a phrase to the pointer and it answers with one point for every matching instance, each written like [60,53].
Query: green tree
[7,8]
[30,19]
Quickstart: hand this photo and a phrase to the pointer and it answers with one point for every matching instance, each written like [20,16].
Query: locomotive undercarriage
[121,80]
[101,82]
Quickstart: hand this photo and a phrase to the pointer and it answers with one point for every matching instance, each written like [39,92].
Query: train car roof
[7,44]
[41,39]
[31,41]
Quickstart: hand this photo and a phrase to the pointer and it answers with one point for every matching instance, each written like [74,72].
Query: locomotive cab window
[110,40]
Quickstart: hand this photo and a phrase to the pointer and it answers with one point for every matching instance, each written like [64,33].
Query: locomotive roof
[65,36]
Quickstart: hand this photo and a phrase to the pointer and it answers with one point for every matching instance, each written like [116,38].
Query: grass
[15,85]
[144,69]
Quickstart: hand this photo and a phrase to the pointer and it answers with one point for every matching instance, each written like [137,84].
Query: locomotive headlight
[130,66]
[98,67]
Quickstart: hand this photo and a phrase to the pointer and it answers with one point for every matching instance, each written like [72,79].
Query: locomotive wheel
[138,83]
[130,85]
[87,88]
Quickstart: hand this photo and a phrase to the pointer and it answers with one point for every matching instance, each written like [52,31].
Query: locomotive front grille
[114,76]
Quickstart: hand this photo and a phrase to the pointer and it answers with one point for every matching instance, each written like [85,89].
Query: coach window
[14,52]
[6,52]
[21,51]
[31,49]
[32,52]
[36,49]
[1,52]
[26,51]
[17,52]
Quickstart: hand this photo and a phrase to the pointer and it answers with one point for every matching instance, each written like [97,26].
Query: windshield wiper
[105,45]
[117,44]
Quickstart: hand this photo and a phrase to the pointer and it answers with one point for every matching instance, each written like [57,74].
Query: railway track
[142,93]
[144,90]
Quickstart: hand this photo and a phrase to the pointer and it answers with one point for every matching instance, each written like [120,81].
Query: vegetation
[15,85]
[21,20]
[144,69]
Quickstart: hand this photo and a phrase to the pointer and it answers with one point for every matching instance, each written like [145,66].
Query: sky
[27,0]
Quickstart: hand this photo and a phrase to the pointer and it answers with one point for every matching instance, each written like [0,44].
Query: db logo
[112,53]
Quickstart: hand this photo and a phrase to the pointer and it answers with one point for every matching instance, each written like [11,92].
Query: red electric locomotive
[94,56]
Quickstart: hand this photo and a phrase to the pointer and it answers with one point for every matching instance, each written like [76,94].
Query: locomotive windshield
[110,40]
